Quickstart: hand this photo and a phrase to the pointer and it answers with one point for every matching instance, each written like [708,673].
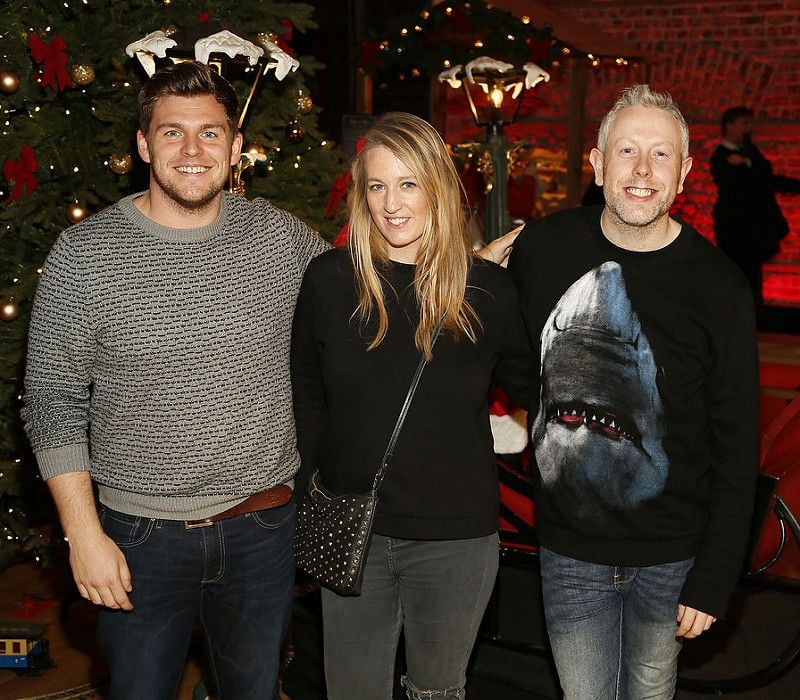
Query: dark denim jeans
[235,577]
[612,628]
[436,591]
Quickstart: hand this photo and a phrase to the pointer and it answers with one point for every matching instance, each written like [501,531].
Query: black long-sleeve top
[442,482]
[645,430]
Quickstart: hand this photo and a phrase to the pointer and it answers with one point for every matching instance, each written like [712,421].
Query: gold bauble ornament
[9,81]
[295,133]
[9,309]
[120,165]
[82,74]
[254,148]
[304,104]
[76,211]
[264,37]
[170,29]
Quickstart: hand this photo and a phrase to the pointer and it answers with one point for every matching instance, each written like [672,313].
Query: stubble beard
[195,199]
[635,215]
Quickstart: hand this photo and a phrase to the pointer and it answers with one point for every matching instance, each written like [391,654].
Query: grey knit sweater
[159,358]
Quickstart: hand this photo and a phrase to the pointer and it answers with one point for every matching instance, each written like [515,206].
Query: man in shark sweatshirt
[645,421]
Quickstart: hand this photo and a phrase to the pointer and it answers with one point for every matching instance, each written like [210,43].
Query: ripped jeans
[435,591]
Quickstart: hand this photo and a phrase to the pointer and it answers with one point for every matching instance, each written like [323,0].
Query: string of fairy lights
[409,43]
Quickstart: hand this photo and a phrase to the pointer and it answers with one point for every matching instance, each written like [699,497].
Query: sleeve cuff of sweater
[64,459]
[705,597]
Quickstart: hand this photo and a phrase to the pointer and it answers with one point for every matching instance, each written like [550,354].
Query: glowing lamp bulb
[496,97]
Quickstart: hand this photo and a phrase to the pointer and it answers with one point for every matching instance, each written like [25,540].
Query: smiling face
[189,148]
[641,168]
[397,205]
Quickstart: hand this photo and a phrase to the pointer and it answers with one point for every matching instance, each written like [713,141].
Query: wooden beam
[363,92]
[575,119]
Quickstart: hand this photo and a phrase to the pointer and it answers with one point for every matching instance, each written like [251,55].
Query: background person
[748,223]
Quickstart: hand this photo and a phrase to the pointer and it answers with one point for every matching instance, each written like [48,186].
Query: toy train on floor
[23,649]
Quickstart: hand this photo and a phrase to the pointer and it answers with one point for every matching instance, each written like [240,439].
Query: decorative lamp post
[228,50]
[493,89]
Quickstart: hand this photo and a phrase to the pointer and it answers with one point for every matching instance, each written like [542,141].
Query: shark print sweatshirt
[644,407]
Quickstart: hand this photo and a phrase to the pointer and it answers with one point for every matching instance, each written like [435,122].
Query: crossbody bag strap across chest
[387,457]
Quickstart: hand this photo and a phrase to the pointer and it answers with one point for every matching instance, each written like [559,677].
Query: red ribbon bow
[20,172]
[342,237]
[53,58]
[284,39]
[339,190]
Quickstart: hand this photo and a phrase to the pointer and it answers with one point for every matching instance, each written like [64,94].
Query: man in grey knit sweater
[158,369]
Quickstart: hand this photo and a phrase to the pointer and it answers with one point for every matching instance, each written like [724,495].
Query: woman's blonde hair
[445,253]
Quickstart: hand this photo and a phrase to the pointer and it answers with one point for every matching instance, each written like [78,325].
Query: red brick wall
[710,54]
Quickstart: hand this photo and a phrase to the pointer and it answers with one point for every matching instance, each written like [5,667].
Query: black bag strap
[387,457]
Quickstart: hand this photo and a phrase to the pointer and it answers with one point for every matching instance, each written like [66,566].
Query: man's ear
[141,145]
[686,166]
[236,148]
[596,159]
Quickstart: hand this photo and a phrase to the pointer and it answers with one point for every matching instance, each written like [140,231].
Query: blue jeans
[436,591]
[612,628]
[235,577]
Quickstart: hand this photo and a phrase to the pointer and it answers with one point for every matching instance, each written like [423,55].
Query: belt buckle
[194,524]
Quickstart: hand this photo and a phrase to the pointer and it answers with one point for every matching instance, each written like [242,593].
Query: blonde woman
[364,315]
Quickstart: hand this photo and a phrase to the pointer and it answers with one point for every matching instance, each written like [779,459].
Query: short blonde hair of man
[641,95]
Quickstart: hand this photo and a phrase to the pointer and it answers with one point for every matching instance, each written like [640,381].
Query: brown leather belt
[271,498]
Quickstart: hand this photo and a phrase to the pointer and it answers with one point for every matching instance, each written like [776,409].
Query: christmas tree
[68,103]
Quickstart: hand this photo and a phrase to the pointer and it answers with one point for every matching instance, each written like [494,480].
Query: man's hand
[101,572]
[737,159]
[98,566]
[500,248]
[692,623]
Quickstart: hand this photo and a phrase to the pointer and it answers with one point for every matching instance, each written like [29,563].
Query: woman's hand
[500,248]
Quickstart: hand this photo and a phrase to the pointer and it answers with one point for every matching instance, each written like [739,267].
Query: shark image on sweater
[598,433]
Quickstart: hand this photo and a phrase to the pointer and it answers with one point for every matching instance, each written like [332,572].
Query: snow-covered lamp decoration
[493,89]
[229,51]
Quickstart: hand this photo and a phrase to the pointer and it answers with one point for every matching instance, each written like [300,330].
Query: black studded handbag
[334,531]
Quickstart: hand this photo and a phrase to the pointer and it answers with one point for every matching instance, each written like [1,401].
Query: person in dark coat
[748,223]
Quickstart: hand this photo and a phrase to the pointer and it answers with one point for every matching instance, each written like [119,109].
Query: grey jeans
[435,591]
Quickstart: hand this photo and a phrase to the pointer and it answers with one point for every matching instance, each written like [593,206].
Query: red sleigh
[776,531]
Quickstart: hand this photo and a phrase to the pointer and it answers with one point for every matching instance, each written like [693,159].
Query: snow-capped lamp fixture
[494,90]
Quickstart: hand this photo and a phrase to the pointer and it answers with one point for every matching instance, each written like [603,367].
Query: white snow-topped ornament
[281,61]
[489,72]
[206,40]
[228,43]
[155,44]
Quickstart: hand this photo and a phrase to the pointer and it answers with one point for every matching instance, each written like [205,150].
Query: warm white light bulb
[496,97]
